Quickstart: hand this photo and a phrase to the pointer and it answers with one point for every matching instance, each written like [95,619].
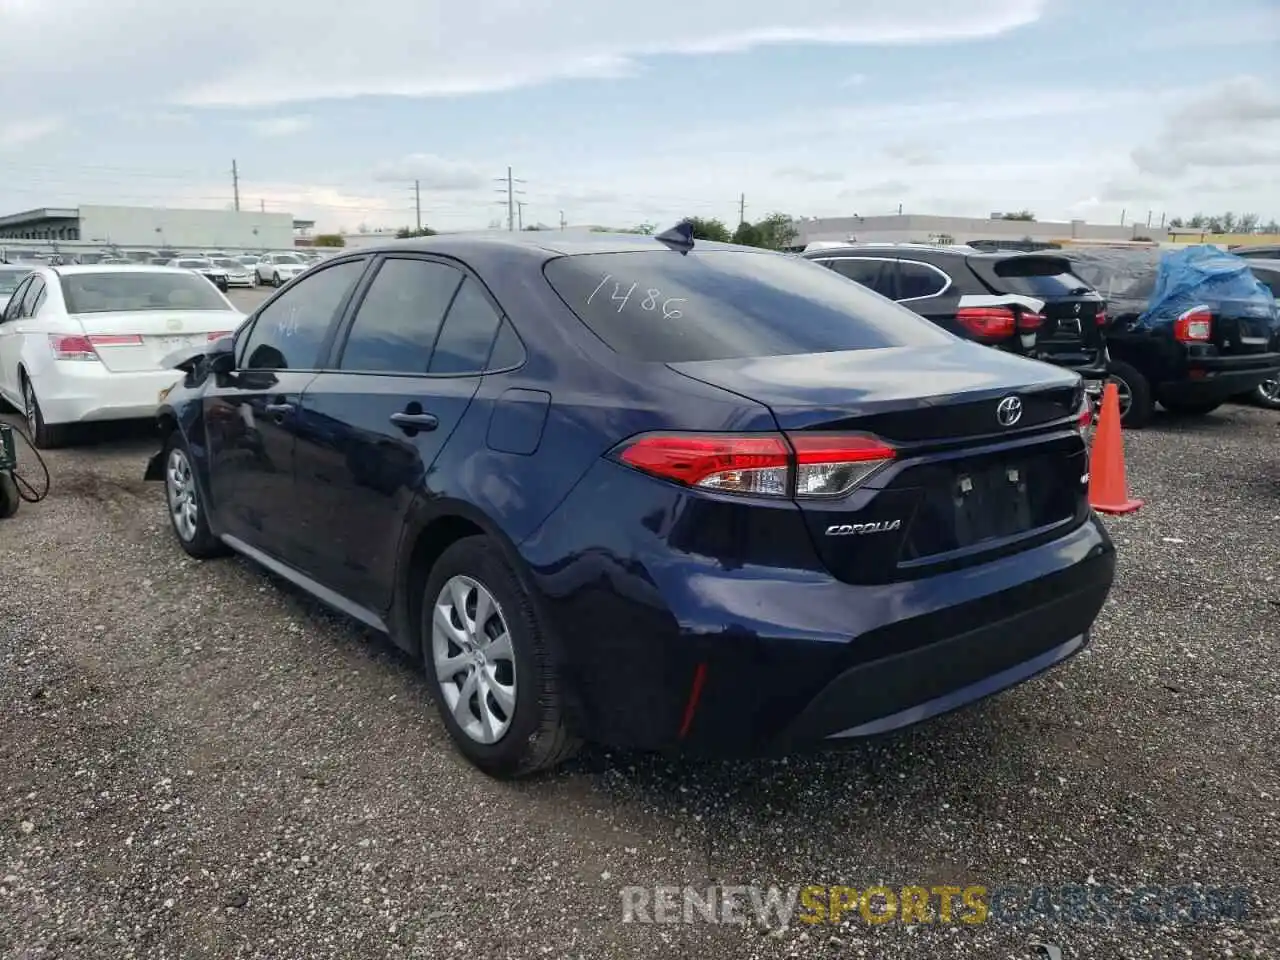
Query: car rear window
[139,290]
[1040,277]
[717,305]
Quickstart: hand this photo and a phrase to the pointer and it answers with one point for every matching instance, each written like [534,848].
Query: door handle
[278,408]
[415,421]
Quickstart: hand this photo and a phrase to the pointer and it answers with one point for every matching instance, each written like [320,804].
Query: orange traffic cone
[1107,485]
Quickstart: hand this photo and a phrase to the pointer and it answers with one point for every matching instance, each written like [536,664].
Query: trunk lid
[963,486]
[134,342]
[1071,304]
[1242,327]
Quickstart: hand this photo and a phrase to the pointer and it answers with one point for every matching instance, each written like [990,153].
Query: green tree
[706,229]
[1175,223]
[405,232]
[330,240]
[748,235]
[777,231]
[1020,215]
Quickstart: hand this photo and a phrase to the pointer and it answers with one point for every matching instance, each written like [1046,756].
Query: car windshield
[138,290]
[195,264]
[1039,276]
[1130,274]
[287,258]
[229,264]
[718,305]
[9,280]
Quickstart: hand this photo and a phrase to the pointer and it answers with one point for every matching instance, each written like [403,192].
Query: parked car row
[1090,310]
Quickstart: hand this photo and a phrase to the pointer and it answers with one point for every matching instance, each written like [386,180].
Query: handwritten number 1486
[651,299]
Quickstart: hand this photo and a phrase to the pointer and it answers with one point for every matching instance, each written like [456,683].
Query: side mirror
[222,356]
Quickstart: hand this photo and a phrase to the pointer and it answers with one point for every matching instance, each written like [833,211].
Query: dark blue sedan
[644,492]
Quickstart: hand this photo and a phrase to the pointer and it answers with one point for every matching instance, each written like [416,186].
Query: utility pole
[520,213]
[742,208]
[262,205]
[417,202]
[235,183]
[563,224]
[511,193]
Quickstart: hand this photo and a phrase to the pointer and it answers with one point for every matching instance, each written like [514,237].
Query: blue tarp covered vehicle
[1188,329]
[1201,276]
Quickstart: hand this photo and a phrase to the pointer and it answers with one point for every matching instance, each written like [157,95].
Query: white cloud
[21,133]
[440,48]
[281,126]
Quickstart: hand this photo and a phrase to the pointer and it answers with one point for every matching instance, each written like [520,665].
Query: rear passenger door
[401,376]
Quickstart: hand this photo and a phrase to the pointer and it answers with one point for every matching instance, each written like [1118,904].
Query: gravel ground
[198,762]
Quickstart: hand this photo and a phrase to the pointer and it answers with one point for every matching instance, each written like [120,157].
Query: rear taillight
[764,465]
[1101,318]
[1193,326]
[988,322]
[1028,321]
[116,340]
[1084,417]
[220,335]
[67,347]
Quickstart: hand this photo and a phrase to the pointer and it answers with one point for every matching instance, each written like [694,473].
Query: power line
[511,192]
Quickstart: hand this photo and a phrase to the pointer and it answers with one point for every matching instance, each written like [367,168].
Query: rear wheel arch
[424,544]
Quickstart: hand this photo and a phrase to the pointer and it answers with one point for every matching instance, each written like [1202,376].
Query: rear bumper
[781,659]
[79,392]
[1217,378]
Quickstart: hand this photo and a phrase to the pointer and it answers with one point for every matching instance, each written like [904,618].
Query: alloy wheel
[1123,394]
[29,407]
[473,658]
[1270,390]
[180,486]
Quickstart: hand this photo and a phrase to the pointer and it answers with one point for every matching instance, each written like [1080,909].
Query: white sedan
[86,343]
[278,269]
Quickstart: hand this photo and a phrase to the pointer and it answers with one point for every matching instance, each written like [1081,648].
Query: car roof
[76,268]
[554,242]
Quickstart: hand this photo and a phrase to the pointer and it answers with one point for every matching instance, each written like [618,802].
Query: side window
[398,319]
[467,335]
[508,351]
[918,280]
[33,297]
[289,331]
[13,310]
[869,273]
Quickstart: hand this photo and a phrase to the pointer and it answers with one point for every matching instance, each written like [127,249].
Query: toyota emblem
[1009,411]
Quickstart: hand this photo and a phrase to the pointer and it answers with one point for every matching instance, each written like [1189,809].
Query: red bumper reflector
[695,694]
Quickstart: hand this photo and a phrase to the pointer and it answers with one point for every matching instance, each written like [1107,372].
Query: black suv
[988,297]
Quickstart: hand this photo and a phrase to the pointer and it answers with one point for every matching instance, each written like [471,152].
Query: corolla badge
[1009,411]
[850,529]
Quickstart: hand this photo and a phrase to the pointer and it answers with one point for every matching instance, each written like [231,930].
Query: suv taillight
[1194,325]
[989,323]
[1028,321]
[805,465]
[1101,318]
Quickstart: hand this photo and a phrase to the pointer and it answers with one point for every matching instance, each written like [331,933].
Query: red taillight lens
[990,323]
[831,465]
[1084,418]
[116,340]
[768,465]
[1193,326]
[1101,318]
[1028,322]
[71,347]
[757,465]
[220,335]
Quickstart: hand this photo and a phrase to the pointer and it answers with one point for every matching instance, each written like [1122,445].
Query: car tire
[275,280]
[1131,383]
[185,504]
[9,499]
[527,735]
[1190,408]
[1267,394]
[44,436]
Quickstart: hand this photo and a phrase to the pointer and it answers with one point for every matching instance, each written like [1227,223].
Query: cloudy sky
[623,112]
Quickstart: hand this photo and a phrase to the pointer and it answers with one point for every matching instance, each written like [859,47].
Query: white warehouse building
[153,227]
